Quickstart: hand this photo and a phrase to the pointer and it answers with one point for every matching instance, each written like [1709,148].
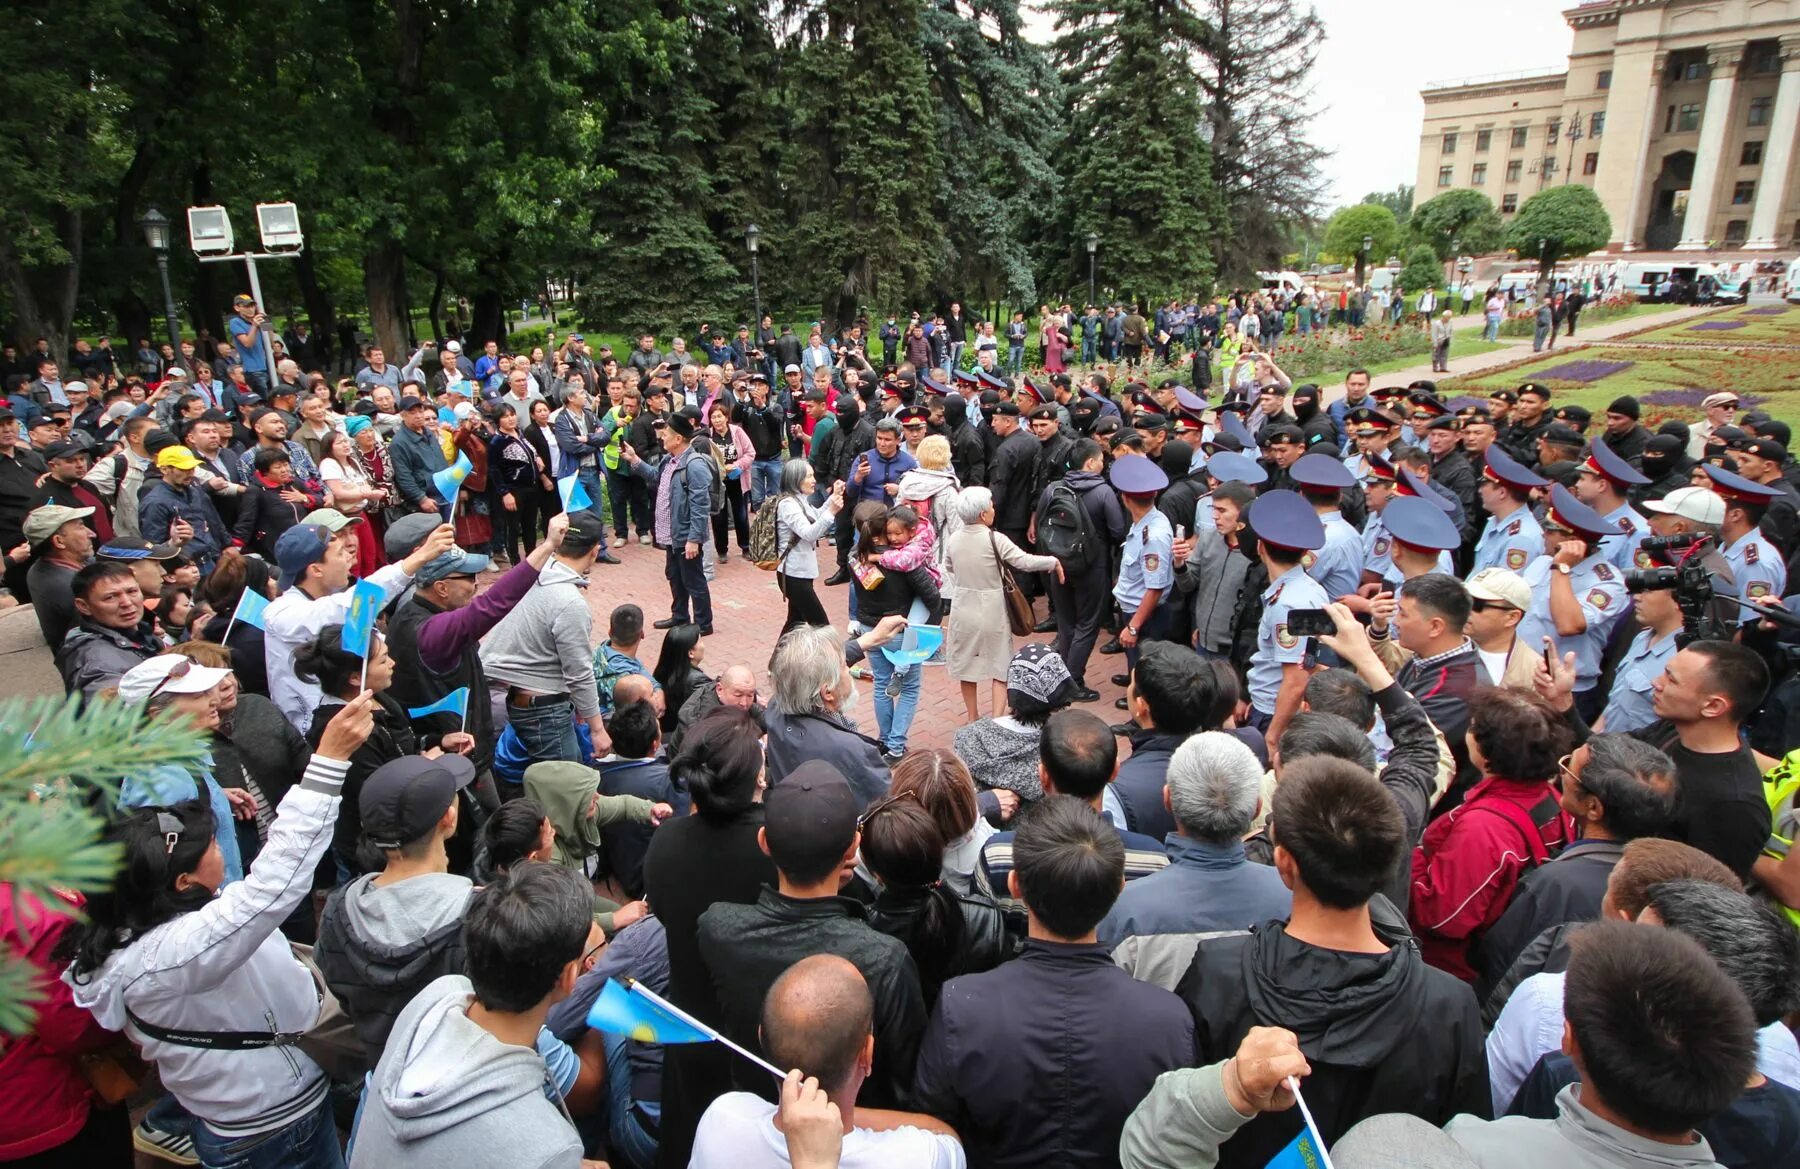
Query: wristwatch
[1563,568]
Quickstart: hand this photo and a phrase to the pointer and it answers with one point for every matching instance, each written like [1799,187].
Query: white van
[1790,283]
[1650,280]
[1287,282]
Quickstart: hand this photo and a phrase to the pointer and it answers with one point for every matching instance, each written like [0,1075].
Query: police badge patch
[1598,598]
[1515,558]
[1642,559]
[1381,546]
[1151,561]
[1283,638]
[1757,589]
[1310,559]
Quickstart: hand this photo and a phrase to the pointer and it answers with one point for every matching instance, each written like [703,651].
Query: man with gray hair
[1213,789]
[813,712]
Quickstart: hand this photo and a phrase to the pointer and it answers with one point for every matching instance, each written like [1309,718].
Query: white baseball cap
[1690,503]
[168,674]
[453,346]
[1497,584]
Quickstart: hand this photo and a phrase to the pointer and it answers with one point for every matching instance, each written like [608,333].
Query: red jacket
[1468,865]
[46,1099]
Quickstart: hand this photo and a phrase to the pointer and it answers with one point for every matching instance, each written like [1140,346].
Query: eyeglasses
[588,955]
[178,670]
[883,804]
[1568,772]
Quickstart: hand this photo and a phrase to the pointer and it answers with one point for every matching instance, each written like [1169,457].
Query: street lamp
[1368,243]
[752,235]
[1449,263]
[156,234]
[1093,245]
[211,237]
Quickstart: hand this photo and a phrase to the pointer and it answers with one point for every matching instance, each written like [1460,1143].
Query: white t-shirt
[1495,663]
[738,1132]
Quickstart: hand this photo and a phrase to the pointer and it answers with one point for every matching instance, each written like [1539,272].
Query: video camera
[1689,579]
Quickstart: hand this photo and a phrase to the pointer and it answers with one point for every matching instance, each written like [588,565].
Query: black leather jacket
[982,942]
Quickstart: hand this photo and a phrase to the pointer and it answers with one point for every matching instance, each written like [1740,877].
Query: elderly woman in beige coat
[978,640]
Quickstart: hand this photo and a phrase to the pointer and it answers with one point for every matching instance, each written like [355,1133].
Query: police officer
[1755,563]
[1337,565]
[1511,538]
[1526,422]
[1576,593]
[1283,445]
[1147,561]
[1602,484]
[1400,483]
[1420,539]
[1371,433]
[1286,528]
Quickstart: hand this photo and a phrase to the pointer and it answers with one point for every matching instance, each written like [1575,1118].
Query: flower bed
[1583,371]
[1336,350]
[1524,324]
[1767,325]
[1669,383]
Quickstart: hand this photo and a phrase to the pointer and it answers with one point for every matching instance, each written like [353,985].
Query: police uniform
[1337,564]
[1514,541]
[1629,705]
[1284,519]
[1599,589]
[1756,564]
[1625,527]
[1421,525]
[1147,560]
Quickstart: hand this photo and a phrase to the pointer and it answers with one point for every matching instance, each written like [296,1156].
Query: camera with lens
[1688,578]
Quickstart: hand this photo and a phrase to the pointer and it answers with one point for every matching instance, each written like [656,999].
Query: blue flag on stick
[574,495]
[456,702]
[628,1007]
[359,626]
[447,416]
[1307,1149]
[449,480]
[250,608]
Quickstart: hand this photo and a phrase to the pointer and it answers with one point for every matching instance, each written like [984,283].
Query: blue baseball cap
[299,548]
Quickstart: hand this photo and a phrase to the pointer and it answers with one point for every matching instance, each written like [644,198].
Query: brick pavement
[748,613]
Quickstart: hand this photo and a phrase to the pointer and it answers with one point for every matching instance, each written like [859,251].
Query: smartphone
[1310,623]
[1549,660]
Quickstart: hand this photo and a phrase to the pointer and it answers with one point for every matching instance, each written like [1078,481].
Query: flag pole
[1293,1083]
[636,987]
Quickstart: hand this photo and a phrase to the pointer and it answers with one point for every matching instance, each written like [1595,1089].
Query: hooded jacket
[1383,1032]
[446,1092]
[379,945]
[968,453]
[566,791]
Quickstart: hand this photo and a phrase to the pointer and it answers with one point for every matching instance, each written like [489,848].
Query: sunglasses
[1480,606]
[883,804]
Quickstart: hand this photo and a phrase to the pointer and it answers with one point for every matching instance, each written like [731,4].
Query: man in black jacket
[1010,473]
[810,832]
[765,423]
[1382,1031]
[1526,422]
[855,434]
[1081,598]
[968,453]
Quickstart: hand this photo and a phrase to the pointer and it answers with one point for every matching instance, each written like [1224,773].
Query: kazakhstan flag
[624,1009]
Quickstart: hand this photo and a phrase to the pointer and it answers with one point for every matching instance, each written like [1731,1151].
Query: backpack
[1066,531]
[717,502]
[765,535]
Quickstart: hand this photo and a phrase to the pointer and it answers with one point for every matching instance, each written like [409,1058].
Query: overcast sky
[1376,58]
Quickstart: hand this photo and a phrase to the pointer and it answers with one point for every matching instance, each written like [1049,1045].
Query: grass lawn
[1667,384]
[1756,325]
[1465,343]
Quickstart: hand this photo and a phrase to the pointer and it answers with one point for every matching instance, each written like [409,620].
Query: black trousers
[803,606]
[1080,604]
[687,587]
[736,514]
[845,528]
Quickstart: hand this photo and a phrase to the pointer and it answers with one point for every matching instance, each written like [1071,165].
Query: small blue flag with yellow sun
[1307,1149]
[456,702]
[366,600]
[629,1011]
[449,480]
[574,496]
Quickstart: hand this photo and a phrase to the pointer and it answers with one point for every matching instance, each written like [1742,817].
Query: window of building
[1694,70]
[1478,174]
[1743,192]
[1736,230]
[1518,136]
[1765,59]
[1597,124]
[1590,163]
[1512,170]
[1509,203]
[1449,144]
[1760,109]
[1603,80]
[1683,118]
[1550,133]
[1482,139]
[1751,154]
[1549,165]
[1443,176]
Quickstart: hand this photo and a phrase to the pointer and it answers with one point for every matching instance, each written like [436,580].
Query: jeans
[1492,332]
[1087,349]
[547,731]
[629,496]
[631,1145]
[687,583]
[1538,335]
[894,716]
[1015,359]
[956,352]
[765,479]
[590,483]
[308,1143]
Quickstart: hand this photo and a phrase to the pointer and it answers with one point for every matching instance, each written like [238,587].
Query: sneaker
[164,1146]
[644,540]
[892,757]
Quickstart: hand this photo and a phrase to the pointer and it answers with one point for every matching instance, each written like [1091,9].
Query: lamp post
[1450,262]
[1093,245]
[752,235]
[1362,269]
[156,234]
[211,237]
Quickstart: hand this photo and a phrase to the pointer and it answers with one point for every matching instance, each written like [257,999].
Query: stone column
[1631,233]
[1778,153]
[1715,126]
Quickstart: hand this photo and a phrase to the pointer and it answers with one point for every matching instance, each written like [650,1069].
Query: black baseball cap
[809,817]
[585,532]
[403,799]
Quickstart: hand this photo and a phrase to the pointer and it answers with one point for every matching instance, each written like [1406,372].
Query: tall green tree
[1399,201]
[1557,222]
[1458,223]
[1136,170]
[1348,227]
[997,99]
[1422,270]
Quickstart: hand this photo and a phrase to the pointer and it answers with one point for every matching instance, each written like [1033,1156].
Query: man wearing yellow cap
[177,509]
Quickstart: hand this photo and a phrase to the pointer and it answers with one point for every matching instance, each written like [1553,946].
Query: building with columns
[1680,114]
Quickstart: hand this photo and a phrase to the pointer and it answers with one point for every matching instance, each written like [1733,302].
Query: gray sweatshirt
[1576,1139]
[542,645]
[446,1092]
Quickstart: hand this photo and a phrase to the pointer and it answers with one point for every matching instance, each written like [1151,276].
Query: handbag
[1018,606]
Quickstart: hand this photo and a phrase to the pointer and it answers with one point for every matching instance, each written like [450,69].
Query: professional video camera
[1690,580]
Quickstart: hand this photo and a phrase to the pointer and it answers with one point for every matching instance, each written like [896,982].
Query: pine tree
[56,761]
[1135,168]
[1254,58]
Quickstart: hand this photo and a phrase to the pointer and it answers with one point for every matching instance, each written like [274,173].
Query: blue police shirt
[1148,561]
[1599,589]
[1622,549]
[1511,543]
[1628,707]
[1338,565]
[1756,567]
[1275,646]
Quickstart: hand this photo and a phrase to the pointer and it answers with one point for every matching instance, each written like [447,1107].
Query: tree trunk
[43,300]
[384,287]
[487,313]
[320,312]
[437,304]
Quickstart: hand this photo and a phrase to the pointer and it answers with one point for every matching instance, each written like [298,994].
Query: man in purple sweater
[435,637]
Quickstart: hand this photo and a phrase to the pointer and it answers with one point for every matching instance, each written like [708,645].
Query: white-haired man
[813,712]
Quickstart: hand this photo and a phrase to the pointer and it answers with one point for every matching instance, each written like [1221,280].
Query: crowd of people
[1450,782]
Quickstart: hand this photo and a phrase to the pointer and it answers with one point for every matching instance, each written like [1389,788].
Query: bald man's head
[820,1018]
[737,687]
[633,688]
